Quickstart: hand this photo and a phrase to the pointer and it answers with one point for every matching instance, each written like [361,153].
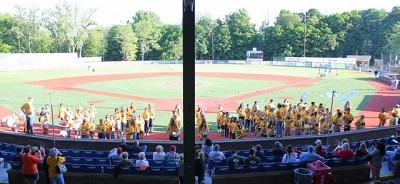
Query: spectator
[125,162]
[30,160]
[376,158]
[159,153]
[278,150]
[252,159]
[259,152]
[235,159]
[344,152]
[55,159]
[362,150]
[180,166]
[142,162]
[136,148]
[319,142]
[172,155]
[117,155]
[290,156]
[310,156]
[320,151]
[123,145]
[207,146]
[200,166]
[216,154]
[17,157]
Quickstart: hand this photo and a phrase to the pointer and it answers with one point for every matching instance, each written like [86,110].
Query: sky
[170,11]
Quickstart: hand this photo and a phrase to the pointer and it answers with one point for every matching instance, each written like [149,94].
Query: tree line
[66,28]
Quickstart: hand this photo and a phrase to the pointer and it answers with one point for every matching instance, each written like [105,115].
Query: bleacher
[79,162]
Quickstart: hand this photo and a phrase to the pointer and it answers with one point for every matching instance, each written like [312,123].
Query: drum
[77,126]
[46,124]
[10,122]
[63,133]
[173,136]
[4,121]
[38,111]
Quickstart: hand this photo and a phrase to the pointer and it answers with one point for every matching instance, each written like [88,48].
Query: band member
[69,125]
[91,111]
[360,123]
[14,126]
[146,118]
[101,130]
[78,118]
[347,119]
[239,130]
[270,105]
[130,112]
[123,119]
[62,112]
[179,114]
[220,118]
[382,117]
[297,125]
[84,129]
[117,122]
[337,121]
[44,121]
[314,124]
[226,124]
[92,128]
[152,117]
[107,126]
[113,128]
[28,109]
[241,112]
[129,130]
[324,126]
[139,126]
[248,117]
[79,108]
[203,128]
[392,119]
[173,129]
[232,127]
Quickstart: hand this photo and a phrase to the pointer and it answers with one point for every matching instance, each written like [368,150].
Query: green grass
[15,90]
[160,87]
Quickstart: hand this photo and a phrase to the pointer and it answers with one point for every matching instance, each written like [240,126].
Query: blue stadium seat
[75,153]
[137,170]
[108,169]
[252,168]
[90,160]
[171,171]
[269,159]
[101,154]
[213,163]
[3,146]
[243,153]
[265,167]
[170,163]
[227,154]
[6,156]
[334,163]
[396,157]
[16,165]
[65,152]
[93,169]
[102,161]
[156,171]
[149,155]
[280,166]
[127,170]
[222,170]
[89,153]
[11,148]
[79,168]
[268,152]
[114,161]
[156,163]
[76,160]
[238,169]
[347,162]
[292,166]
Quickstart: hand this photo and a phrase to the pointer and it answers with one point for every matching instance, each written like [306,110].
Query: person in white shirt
[142,160]
[290,156]
[159,153]
[215,154]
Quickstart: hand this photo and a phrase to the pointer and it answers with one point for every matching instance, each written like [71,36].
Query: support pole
[189,89]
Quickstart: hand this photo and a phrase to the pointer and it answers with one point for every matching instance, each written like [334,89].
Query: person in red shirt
[30,159]
[344,152]
[320,151]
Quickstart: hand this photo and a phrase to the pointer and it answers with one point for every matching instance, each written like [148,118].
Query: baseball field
[113,86]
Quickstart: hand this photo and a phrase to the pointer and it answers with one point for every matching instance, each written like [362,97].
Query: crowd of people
[286,119]
[282,119]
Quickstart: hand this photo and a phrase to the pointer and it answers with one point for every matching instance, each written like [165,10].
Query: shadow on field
[364,102]
[383,102]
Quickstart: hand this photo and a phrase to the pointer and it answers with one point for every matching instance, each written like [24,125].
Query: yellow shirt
[360,123]
[53,162]
[146,115]
[61,112]
[85,129]
[279,114]
[101,128]
[27,108]
[92,126]
[382,117]
[107,126]
[129,132]
[324,128]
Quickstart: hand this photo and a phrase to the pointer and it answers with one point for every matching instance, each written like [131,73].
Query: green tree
[121,44]
[147,26]
[8,37]
[171,42]
[204,27]
[28,26]
[393,45]
[242,33]
[95,45]
[222,40]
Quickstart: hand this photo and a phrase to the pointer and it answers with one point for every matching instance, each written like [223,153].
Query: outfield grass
[170,87]
[15,90]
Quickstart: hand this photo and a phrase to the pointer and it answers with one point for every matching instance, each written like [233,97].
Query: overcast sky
[119,11]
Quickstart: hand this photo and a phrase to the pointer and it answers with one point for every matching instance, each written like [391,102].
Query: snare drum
[4,121]
[63,133]
[46,124]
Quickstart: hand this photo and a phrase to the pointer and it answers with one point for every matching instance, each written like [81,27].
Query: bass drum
[4,121]
[63,133]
